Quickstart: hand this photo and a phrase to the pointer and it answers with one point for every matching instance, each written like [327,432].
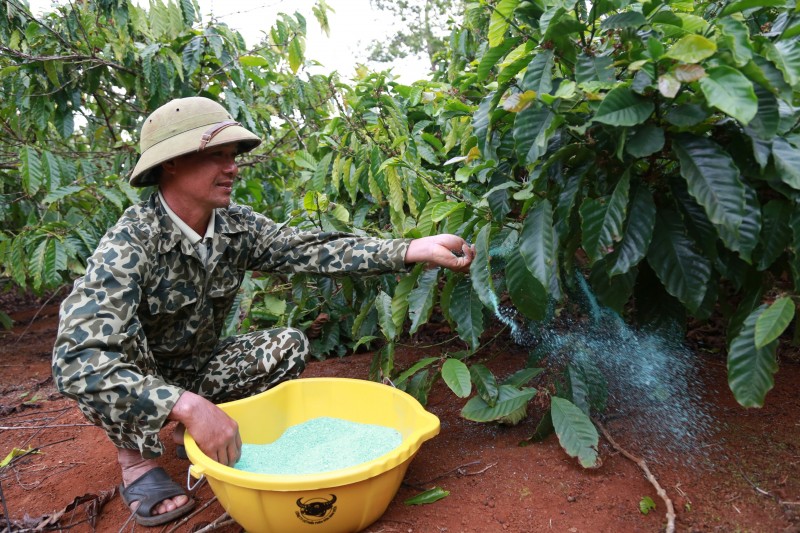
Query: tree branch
[74,58]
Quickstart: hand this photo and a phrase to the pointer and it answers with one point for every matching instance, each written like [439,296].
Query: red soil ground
[750,480]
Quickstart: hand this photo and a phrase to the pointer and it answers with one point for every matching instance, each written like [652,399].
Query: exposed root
[647,474]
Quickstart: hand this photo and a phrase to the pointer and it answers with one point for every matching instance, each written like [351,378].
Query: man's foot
[134,467]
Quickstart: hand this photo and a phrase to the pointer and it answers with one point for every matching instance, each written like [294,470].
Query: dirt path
[749,481]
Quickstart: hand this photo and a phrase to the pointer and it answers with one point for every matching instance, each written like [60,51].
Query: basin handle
[189,474]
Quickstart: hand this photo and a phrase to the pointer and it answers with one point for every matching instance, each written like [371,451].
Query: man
[138,343]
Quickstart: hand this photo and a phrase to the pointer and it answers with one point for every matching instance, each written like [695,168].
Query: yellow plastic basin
[338,501]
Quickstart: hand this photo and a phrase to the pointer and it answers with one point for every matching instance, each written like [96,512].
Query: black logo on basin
[316,510]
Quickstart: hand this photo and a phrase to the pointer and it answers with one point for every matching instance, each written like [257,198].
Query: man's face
[202,179]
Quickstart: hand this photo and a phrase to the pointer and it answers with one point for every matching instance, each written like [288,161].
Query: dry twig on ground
[649,475]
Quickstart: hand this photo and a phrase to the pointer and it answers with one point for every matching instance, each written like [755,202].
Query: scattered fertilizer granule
[319,445]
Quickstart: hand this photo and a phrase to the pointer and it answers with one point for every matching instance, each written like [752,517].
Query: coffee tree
[651,147]
[77,83]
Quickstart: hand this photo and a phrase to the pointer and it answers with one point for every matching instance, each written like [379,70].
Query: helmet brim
[187,142]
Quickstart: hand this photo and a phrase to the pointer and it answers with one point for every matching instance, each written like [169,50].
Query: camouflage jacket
[147,289]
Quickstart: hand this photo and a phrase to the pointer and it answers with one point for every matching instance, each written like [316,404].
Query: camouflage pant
[240,366]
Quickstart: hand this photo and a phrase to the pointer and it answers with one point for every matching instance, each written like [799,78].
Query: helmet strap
[213,130]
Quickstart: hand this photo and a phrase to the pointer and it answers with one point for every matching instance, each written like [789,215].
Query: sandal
[149,490]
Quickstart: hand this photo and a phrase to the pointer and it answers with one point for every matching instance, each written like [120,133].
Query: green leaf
[589,386]
[509,400]
[603,220]
[731,92]
[683,271]
[188,12]
[626,19]
[676,24]
[396,198]
[744,5]
[318,179]
[692,49]
[543,429]
[456,376]
[686,115]
[746,238]
[416,367]
[421,299]
[521,377]
[713,180]
[305,160]
[787,162]
[527,294]
[49,258]
[400,300]
[113,195]
[736,37]
[773,321]
[61,192]
[575,431]
[253,61]
[565,205]
[623,107]
[358,322]
[765,73]
[500,20]
[429,496]
[466,310]
[646,504]
[612,292]
[520,57]
[636,235]
[480,270]
[492,56]
[19,260]
[645,141]
[340,213]
[533,128]
[539,74]
[297,48]
[485,383]
[383,302]
[51,171]
[442,210]
[481,121]
[786,56]
[775,232]
[751,369]
[273,305]
[192,54]
[591,68]
[311,199]
[766,121]
[536,243]
[31,170]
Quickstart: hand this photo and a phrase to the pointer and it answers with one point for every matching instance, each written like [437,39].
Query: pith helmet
[183,126]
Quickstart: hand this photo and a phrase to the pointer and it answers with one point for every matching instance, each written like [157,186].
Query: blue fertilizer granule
[319,445]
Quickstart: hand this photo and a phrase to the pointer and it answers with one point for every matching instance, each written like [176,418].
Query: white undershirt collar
[188,232]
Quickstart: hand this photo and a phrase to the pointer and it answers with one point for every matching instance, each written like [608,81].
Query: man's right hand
[216,434]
